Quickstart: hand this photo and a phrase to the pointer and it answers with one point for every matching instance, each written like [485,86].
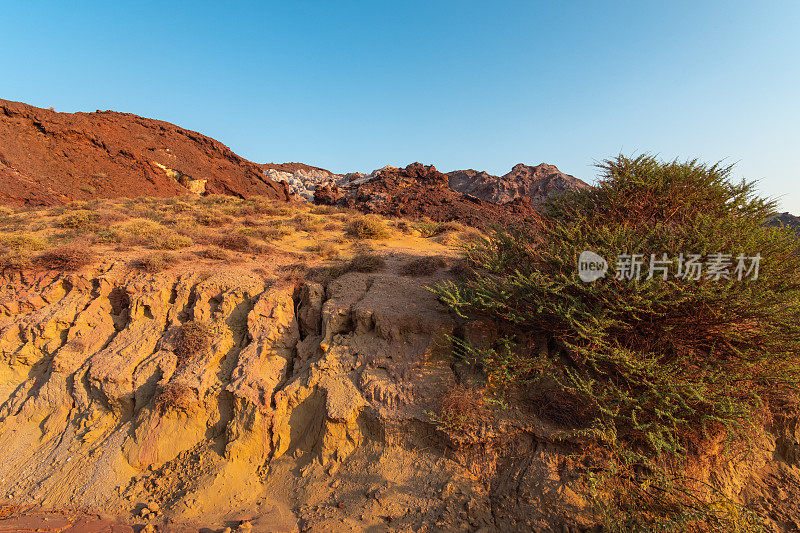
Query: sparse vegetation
[462,410]
[369,227]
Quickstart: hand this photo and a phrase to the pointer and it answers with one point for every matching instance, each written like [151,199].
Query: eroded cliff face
[309,407]
[310,410]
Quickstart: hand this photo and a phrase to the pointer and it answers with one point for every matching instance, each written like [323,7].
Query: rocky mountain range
[50,158]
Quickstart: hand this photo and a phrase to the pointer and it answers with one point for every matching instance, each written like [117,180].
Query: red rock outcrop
[421,191]
[49,158]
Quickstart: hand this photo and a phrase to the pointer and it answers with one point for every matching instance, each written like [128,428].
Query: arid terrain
[190,341]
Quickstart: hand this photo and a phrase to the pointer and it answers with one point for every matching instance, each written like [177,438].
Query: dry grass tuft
[369,227]
[173,241]
[462,409]
[423,266]
[153,263]
[366,263]
[235,242]
[215,253]
[193,339]
[175,397]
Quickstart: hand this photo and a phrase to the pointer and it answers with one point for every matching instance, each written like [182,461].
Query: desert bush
[79,220]
[174,397]
[213,218]
[369,227]
[193,340]
[142,230]
[405,227]
[663,363]
[108,236]
[307,222]
[327,250]
[423,266]
[214,253]
[366,263]
[173,241]
[65,258]
[235,242]
[428,228]
[23,242]
[155,262]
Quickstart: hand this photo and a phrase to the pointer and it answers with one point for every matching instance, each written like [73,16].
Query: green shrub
[369,227]
[661,364]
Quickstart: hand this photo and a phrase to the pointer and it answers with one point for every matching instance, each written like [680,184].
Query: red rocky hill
[49,158]
[420,191]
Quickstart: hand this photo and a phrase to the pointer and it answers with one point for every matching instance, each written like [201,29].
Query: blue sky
[351,85]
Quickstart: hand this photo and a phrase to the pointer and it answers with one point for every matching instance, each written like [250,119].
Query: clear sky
[351,85]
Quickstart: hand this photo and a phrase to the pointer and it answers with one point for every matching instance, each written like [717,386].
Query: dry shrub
[274,234]
[14,260]
[235,242]
[153,263]
[404,227]
[307,222]
[215,253]
[213,218]
[462,409]
[470,236]
[447,238]
[80,220]
[327,250]
[423,266]
[193,339]
[143,231]
[175,397]
[65,258]
[107,236]
[369,227]
[325,209]
[173,241]
[23,242]
[366,263]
